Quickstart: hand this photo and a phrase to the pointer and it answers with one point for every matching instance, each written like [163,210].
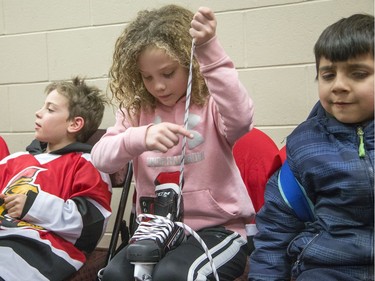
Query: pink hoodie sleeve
[234,104]
[120,144]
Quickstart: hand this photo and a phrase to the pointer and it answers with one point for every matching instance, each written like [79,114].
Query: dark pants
[189,261]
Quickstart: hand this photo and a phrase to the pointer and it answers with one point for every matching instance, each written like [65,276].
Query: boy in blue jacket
[331,155]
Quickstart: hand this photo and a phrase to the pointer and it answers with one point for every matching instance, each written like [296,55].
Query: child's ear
[76,124]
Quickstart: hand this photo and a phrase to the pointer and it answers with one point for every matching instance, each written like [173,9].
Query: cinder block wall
[270,41]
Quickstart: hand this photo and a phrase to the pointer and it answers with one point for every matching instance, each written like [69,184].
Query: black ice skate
[155,237]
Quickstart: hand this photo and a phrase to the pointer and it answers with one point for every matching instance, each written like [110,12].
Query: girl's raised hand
[164,136]
[203,25]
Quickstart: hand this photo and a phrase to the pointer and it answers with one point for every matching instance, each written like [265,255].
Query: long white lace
[186,115]
[160,227]
[157,228]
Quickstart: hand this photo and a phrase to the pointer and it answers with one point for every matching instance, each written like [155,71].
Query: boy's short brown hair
[84,101]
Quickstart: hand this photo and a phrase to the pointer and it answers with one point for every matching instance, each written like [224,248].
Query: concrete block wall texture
[270,41]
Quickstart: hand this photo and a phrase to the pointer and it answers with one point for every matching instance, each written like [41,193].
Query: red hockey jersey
[65,215]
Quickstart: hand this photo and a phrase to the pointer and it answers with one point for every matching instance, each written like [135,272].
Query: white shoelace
[186,115]
[157,228]
[160,227]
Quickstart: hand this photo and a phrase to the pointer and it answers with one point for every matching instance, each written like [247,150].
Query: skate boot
[155,237]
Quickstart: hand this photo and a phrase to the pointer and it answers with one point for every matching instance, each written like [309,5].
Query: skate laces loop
[156,229]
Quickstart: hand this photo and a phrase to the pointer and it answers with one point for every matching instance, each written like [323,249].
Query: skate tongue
[167,200]
[165,189]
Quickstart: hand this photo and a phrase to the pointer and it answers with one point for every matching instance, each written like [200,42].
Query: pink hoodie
[213,193]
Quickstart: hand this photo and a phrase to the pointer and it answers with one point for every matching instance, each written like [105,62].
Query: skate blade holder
[143,270]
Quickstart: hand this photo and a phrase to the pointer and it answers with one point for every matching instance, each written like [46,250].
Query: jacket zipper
[361,146]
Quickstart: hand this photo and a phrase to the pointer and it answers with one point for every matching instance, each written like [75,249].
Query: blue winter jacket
[335,164]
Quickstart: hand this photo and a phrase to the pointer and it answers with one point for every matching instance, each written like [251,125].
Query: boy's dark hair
[346,39]
[85,101]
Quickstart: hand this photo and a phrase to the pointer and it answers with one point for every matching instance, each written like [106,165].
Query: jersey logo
[22,183]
